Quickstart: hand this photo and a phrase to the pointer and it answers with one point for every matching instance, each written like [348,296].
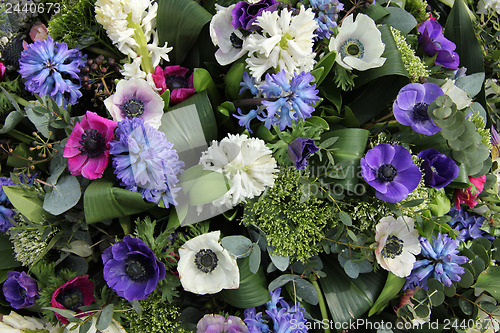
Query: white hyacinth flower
[205,267]
[228,39]
[484,5]
[397,245]
[284,43]
[15,323]
[247,162]
[358,44]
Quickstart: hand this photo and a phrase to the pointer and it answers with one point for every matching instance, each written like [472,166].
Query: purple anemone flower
[433,41]
[131,269]
[20,290]
[390,170]
[299,151]
[441,262]
[468,225]
[411,104]
[211,323]
[245,13]
[439,169]
[50,68]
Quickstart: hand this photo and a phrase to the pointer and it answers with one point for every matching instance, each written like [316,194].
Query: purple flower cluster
[6,214]
[433,42]
[20,290]
[411,104]
[282,316]
[219,324]
[285,101]
[50,68]
[131,269]
[299,151]
[327,13]
[468,225]
[246,13]
[439,169]
[390,170]
[441,262]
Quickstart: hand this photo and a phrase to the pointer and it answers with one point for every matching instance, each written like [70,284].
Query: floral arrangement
[249,166]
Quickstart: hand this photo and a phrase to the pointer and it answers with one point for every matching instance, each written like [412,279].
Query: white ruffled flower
[484,5]
[133,70]
[114,327]
[358,44]
[285,42]
[457,95]
[135,98]
[397,245]
[228,39]
[246,162]
[15,323]
[205,267]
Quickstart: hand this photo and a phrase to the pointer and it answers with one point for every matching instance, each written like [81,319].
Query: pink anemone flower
[469,195]
[174,78]
[72,295]
[87,149]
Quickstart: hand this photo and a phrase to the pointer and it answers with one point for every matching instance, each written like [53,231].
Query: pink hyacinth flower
[469,195]
[174,78]
[87,149]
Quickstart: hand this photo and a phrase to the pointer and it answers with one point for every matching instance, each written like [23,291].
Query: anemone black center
[22,292]
[420,112]
[353,50]
[93,143]
[206,260]
[236,41]
[393,247]
[387,173]
[71,298]
[254,9]
[133,108]
[136,270]
[176,82]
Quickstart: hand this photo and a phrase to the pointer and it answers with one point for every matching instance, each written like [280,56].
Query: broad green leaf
[238,246]
[319,122]
[375,11]
[78,247]
[399,19]
[233,79]
[348,298]
[102,201]
[202,80]
[27,203]
[7,254]
[62,196]
[351,144]
[489,280]
[252,291]
[85,326]
[280,262]
[11,99]
[11,121]
[105,318]
[379,86]
[326,63]
[392,287]
[180,22]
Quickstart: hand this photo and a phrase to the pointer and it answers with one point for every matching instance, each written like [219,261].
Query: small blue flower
[442,262]
[245,119]
[145,161]
[50,68]
[327,15]
[248,84]
[6,215]
[468,225]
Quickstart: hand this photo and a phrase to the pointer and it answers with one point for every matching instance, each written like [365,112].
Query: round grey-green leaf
[63,196]
[238,246]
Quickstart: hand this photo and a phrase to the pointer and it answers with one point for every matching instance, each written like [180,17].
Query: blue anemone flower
[441,262]
[50,68]
[145,161]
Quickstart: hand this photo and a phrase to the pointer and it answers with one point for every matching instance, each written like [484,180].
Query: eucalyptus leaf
[280,262]
[62,196]
[471,84]
[78,247]
[489,280]
[13,118]
[282,280]
[399,19]
[255,258]
[105,317]
[238,246]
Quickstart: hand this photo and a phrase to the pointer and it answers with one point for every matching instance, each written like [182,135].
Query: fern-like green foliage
[13,87]
[76,25]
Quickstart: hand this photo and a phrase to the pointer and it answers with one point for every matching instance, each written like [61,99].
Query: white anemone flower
[15,323]
[247,162]
[358,44]
[397,245]
[228,39]
[205,267]
[284,43]
[135,98]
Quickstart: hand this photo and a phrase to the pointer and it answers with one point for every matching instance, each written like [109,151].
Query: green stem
[21,136]
[126,224]
[20,100]
[140,38]
[98,50]
[322,305]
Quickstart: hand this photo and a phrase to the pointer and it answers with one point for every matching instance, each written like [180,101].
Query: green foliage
[343,78]
[413,64]
[145,230]
[293,222]
[418,8]
[13,87]
[157,316]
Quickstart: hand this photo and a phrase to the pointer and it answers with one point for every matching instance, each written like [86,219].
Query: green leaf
[392,287]
[105,317]
[318,122]
[466,279]
[329,142]
[280,262]
[190,124]
[27,203]
[345,218]
[180,22]
[62,196]
[102,201]
[348,299]
[255,258]
[376,12]
[282,280]
[203,186]
[63,312]
[238,246]
[351,268]
[11,100]
[305,290]
[489,280]
[399,19]
[252,291]
[11,121]
[7,253]
[202,80]
[85,326]
[326,63]
[471,84]
[233,79]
